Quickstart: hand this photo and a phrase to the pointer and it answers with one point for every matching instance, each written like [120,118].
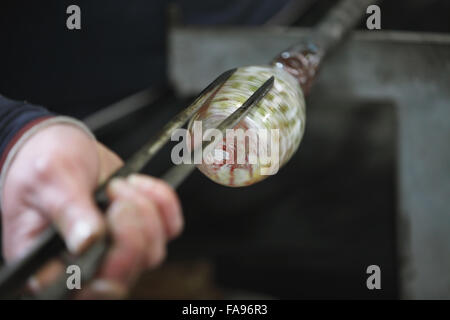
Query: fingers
[140,227]
[131,206]
[79,220]
[126,259]
[76,217]
[20,232]
[166,200]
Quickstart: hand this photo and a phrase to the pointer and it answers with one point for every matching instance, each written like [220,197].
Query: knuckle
[47,166]
[42,168]
[57,207]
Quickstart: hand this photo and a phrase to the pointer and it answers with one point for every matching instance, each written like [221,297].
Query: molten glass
[259,149]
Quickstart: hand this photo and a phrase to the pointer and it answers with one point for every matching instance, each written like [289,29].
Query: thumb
[78,221]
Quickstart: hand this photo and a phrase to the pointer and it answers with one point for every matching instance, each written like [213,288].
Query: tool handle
[338,22]
[304,58]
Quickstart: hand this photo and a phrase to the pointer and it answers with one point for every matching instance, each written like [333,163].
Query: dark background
[122,49]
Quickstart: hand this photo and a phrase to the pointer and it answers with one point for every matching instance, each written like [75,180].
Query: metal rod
[122,108]
[338,22]
[303,59]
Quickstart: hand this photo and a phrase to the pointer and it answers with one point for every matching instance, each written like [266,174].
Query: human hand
[52,179]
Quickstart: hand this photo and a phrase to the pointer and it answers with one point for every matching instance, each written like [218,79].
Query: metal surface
[303,58]
[413,71]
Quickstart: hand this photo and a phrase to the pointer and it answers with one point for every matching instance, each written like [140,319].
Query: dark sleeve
[16,118]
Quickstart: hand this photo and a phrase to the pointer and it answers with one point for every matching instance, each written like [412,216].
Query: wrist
[31,130]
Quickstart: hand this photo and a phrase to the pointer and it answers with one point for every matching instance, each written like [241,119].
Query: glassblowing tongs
[50,245]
